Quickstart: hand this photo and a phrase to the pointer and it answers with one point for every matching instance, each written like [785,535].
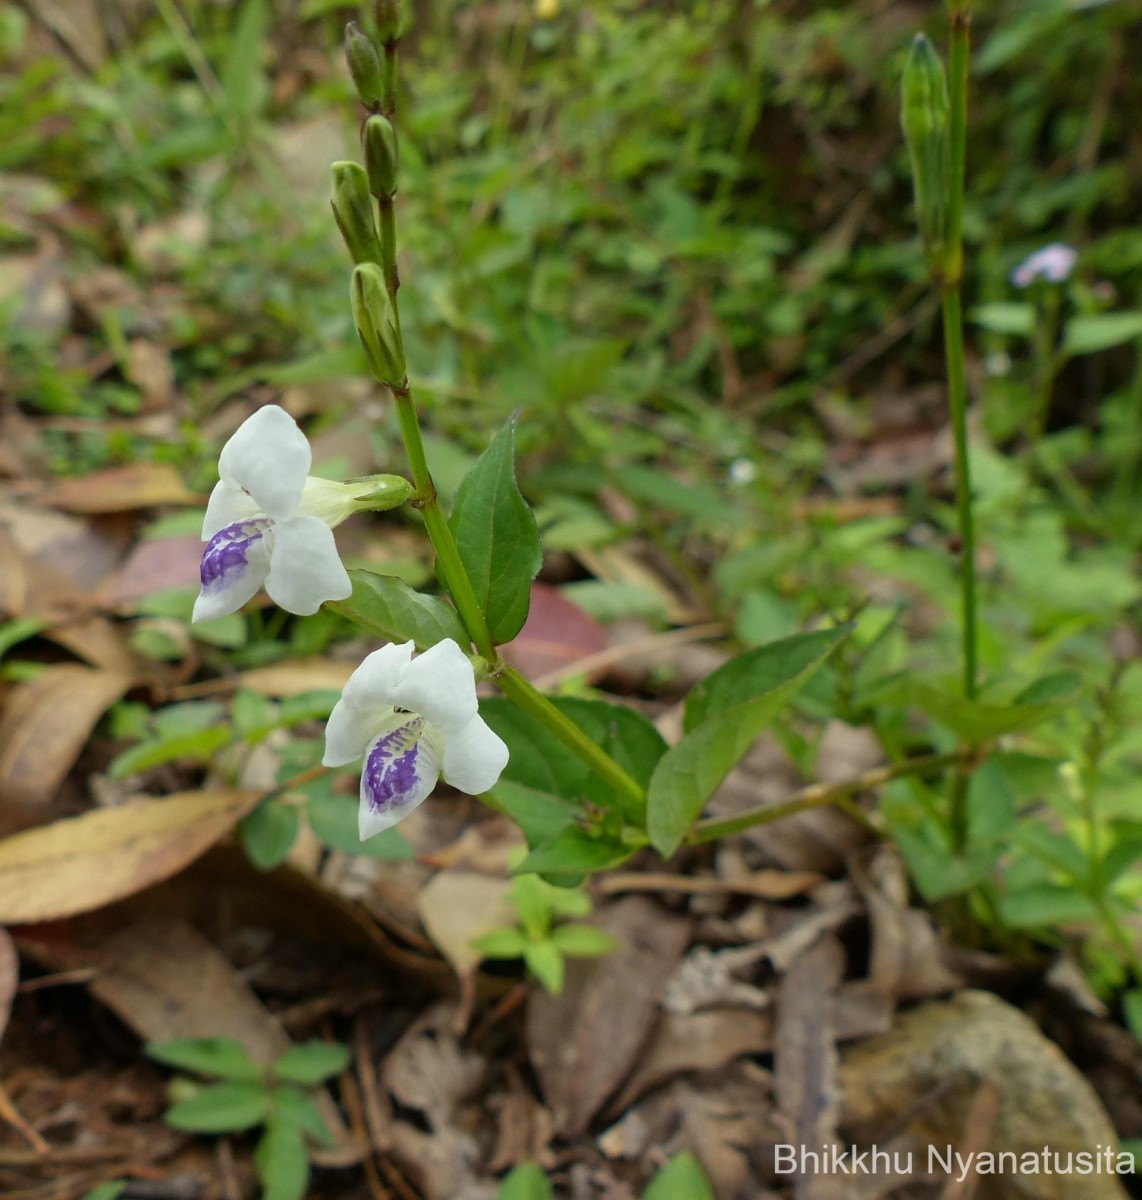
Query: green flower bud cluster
[925,120]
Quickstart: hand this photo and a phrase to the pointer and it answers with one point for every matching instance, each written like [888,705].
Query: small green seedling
[538,940]
[681,1179]
[244,1095]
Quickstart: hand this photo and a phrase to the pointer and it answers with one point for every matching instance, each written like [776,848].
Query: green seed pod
[380,140]
[387,15]
[364,65]
[353,212]
[924,118]
[376,324]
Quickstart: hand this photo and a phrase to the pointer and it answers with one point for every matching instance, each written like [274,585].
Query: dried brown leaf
[556,634]
[805,1061]
[584,1041]
[457,906]
[82,863]
[119,489]
[45,725]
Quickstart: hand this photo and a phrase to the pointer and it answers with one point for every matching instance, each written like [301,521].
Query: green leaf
[939,872]
[529,896]
[541,762]
[546,963]
[106,1191]
[224,1057]
[681,1179]
[1048,846]
[312,1062]
[972,720]
[497,537]
[269,832]
[689,772]
[221,1108]
[758,671]
[990,804]
[500,943]
[243,79]
[333,819]
[1132,1011]
[573,854]
[1045,904]
[583,941]
[539,815]
[200,745]
[298,1109]
[1100,331]
[281,1162]
[526,1182]
[1012,318]
[390,609]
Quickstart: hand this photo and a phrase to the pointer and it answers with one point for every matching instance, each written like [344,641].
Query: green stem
[958,401]
[960,16]
[388,236]
[537,705]
[451,565]
[818,794]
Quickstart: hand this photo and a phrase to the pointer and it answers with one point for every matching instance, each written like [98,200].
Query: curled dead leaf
[82,863]
[45,725]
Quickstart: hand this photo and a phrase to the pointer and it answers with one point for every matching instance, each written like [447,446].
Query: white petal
[305,570]
[474,758]
[269,457]
[349,730]
[440,684]
[374,684]
[234,566]
[401,768]
[228,505]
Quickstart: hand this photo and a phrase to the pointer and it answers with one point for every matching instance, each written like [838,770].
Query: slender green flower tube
[375,318]
[925,119]
[353,212]
[364,65]
[380,141]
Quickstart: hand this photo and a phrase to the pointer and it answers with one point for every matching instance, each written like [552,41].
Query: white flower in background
[1054,263]
[413,720]
[269,522]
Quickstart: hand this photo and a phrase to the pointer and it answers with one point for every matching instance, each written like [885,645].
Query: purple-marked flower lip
[263,486]
[1053,263]
[414,720]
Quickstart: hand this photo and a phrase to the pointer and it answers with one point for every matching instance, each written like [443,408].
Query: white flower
[269,522]
[1054,263]
[413,721]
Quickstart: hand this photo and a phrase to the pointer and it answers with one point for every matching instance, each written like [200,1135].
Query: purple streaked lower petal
[401,768]
[234,565]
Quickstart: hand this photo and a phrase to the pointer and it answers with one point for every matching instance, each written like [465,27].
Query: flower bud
[380,140]
[353,212]
[364,65]
[924,118]
[387,15]
[375,319]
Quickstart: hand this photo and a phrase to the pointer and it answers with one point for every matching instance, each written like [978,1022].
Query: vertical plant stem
[957,393]
[451,566]
[952,278]
[952,303]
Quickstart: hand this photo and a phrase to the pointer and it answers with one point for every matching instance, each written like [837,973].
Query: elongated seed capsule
[381,155]
[353,212]
[364,65]
[376,324]
[924,118]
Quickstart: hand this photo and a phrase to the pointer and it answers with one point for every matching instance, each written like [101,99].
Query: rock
[933,1065]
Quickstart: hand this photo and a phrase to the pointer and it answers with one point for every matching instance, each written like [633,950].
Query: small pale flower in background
[413,720]
[269,522]
[1053,263]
